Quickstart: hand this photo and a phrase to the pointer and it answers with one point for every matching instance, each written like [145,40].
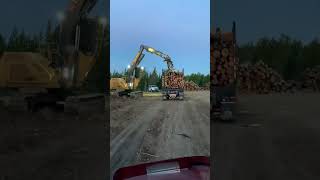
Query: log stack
[191,86]
[311,78]
[173,80]
[260,78]
[223,61]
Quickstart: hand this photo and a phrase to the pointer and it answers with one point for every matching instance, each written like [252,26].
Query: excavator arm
[165,57]
[76,10]
[69,42]
[138,58]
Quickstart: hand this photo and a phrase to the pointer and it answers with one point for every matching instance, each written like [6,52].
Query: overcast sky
[258,18]
[32,15]
[179,28]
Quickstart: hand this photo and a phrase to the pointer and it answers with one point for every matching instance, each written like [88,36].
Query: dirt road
[150,129]
[50,145]
[276,137]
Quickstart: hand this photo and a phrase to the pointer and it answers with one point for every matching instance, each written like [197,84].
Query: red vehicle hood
[188,168]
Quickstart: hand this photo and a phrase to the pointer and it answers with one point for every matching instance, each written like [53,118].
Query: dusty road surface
[149,129]
[276,137]
[50,145]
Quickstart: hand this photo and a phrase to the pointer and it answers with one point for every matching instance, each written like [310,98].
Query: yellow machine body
[32,70]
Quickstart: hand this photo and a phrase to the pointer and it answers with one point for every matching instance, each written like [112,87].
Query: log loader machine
[55,79]
[132,80]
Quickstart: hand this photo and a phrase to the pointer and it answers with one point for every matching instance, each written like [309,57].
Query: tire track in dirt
[158,130]
[125,146]
[122,117]
[147,151]
[186,130]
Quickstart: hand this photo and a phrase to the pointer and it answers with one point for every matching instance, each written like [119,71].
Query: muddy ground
[52,145]
[275,137]
[149,129]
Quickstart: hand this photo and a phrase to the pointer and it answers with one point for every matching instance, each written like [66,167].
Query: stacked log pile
[223,61]
[311,78]
[191,86]
[173,79]
[260,78]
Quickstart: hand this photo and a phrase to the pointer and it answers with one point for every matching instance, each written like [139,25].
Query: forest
[288,56]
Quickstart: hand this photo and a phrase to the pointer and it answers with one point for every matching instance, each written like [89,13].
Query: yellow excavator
[127,85]
[55,79]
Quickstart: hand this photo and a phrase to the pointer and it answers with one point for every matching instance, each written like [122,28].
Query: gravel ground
[149,129]
[50,145]
[275,137]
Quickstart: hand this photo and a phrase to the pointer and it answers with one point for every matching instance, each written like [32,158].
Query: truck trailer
[224,63]
[172,84]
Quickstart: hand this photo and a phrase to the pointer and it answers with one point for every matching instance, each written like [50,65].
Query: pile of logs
[223,61]
[260,78]
[173,79]
[311,78]
[191,86]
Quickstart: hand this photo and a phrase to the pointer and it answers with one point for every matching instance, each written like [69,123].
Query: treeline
[154,78]
[200,79]
[288,56]
[146,78]
[20,41]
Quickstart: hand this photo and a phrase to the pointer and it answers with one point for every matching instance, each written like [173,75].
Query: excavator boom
[69,40]
[138,58]
[166,58]
[131,80]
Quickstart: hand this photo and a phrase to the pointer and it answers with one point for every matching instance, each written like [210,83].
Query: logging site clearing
[52,145]
[275,136]
[146,129]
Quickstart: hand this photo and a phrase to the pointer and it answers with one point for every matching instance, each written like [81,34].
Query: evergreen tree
[143,84]
[154,78]
[13,40]
[2,44]
[49,31]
